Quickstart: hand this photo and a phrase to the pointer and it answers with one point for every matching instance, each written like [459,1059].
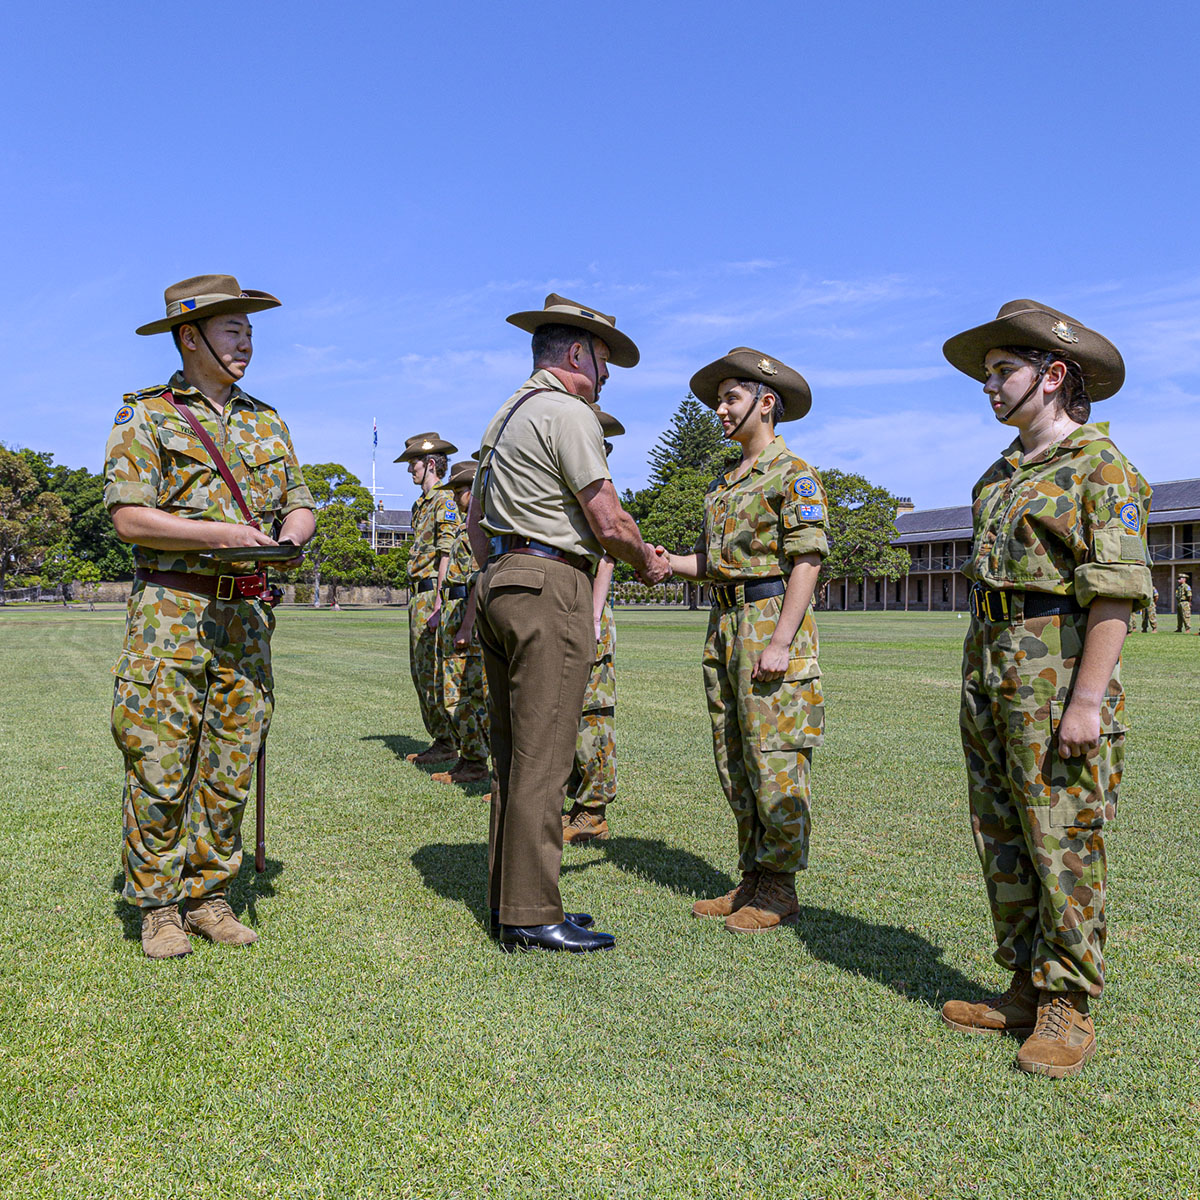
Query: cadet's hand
[599,635]
[461,641]
[433,620]
[289,563]
[656,569]
[1079,729]
[240,535]
[772,663]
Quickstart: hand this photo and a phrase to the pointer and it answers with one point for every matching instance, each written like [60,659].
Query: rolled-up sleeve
[804,517]
[1118,562]
[132,464]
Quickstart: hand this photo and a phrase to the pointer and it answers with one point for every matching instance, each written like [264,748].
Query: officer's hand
[434,618]
[656,570]
[240,535]
[772,663]
[1079,730]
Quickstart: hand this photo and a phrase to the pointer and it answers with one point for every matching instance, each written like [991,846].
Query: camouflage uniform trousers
[594,777]
[1150,618]
[1038,819]
[1183,617]
[764,733]
[423,665]
[191,705]
[464,688]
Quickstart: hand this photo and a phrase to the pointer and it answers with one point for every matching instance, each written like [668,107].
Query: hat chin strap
[754,404]
[211,351]
[595,367]
[1033,387]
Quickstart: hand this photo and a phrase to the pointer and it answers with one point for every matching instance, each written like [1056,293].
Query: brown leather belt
[220,587]
[511,543]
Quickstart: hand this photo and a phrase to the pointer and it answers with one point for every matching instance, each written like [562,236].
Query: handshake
[657,567]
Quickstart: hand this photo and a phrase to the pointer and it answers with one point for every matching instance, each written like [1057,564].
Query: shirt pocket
[187,468]
[265,460]
[790,712]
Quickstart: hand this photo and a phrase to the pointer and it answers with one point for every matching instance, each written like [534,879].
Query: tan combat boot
[582,825]
[463,771]
[212,918]
[722,906]
[1063,1039]
[438,751]
[774,904]
[162,933]
[1014,1012]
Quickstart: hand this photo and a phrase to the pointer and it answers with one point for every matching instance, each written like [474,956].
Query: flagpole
[374,504]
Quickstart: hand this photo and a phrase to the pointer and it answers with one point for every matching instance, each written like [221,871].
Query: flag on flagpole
[375,430]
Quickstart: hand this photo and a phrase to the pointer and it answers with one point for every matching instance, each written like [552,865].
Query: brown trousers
[535,626]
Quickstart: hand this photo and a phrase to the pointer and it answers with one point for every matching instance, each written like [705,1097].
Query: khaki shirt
[154,460]
[1069,520]
[435,520]
[550,450]
[756,525]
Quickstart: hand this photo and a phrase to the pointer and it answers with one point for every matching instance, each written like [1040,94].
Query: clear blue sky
[840,185]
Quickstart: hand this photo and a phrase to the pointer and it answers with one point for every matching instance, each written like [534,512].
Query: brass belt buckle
[1001,603]
[223,592]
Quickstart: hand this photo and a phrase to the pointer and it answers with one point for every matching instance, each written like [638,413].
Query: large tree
[338,552]
[862,524]
[32,519]
[692,442]
[676,516]
[91,537]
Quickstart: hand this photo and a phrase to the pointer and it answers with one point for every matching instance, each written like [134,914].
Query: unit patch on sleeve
[124,413]
[1130,516]
[805,486]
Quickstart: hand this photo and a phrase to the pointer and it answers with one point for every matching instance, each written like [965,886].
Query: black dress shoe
[583,920]
[563,936]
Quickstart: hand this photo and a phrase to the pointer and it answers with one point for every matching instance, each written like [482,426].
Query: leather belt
[220,587]
[428,584]
[734,595]
[511,543]
[997,604]
[455,591]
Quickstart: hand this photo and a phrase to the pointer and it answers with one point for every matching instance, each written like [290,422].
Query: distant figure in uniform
[543,511]
[1058,558]
[435,520]
[193,695]
[1150,615]
[464,690]
[1183,605]
[593,784]
[764,538]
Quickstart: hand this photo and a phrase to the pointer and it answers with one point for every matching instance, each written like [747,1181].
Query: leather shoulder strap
[486,467]
[217,457]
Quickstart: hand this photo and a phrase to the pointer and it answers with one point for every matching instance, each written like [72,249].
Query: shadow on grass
[659,863]
[400,744]
[457,871]
[243,895]
[898,958]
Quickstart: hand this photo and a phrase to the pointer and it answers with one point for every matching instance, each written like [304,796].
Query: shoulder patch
[812,512]
[1130,516]
[805,486]
[451,510]
[124,413]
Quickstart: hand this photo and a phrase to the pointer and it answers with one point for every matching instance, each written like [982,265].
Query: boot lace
[160,916]
[217,908]
[1054,1019]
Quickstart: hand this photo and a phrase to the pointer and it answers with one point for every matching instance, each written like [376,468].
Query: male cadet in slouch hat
[434,520]
[543,511]
[194,691]
[464,694]
[593,784]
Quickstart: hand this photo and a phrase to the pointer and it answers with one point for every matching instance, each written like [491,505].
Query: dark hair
[196,324]
[551,342]
[1073,398]
[754,385]
[440,463]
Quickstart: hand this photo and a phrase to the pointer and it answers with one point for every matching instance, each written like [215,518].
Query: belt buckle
[1001,603]
[222,580]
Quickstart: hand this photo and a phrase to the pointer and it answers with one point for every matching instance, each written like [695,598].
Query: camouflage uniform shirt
[1069,520]
[435,520]
[154,460]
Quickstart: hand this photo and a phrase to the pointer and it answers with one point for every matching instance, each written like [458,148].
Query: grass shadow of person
[243,893]
[457,871]
[896,957]
[400,744]
[657,862]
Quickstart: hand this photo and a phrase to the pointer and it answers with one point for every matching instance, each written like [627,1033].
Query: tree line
[55,529]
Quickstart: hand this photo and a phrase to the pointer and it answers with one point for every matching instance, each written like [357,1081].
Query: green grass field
[375,1042]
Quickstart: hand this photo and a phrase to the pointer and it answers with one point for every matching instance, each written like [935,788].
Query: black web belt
[455,591]
[996,604]
[734,595]
[426,585]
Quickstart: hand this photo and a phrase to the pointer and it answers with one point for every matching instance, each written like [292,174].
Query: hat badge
[426,445]
[767,367]
[1064,332]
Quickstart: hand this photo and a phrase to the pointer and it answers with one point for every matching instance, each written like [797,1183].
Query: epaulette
[144,393]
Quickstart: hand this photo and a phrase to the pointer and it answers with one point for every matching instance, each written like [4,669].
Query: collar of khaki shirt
[1066,445]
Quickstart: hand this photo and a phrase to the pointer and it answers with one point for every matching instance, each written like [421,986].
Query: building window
[860,592]
[878,596]
[920,590]
[945,591]
[898,596]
